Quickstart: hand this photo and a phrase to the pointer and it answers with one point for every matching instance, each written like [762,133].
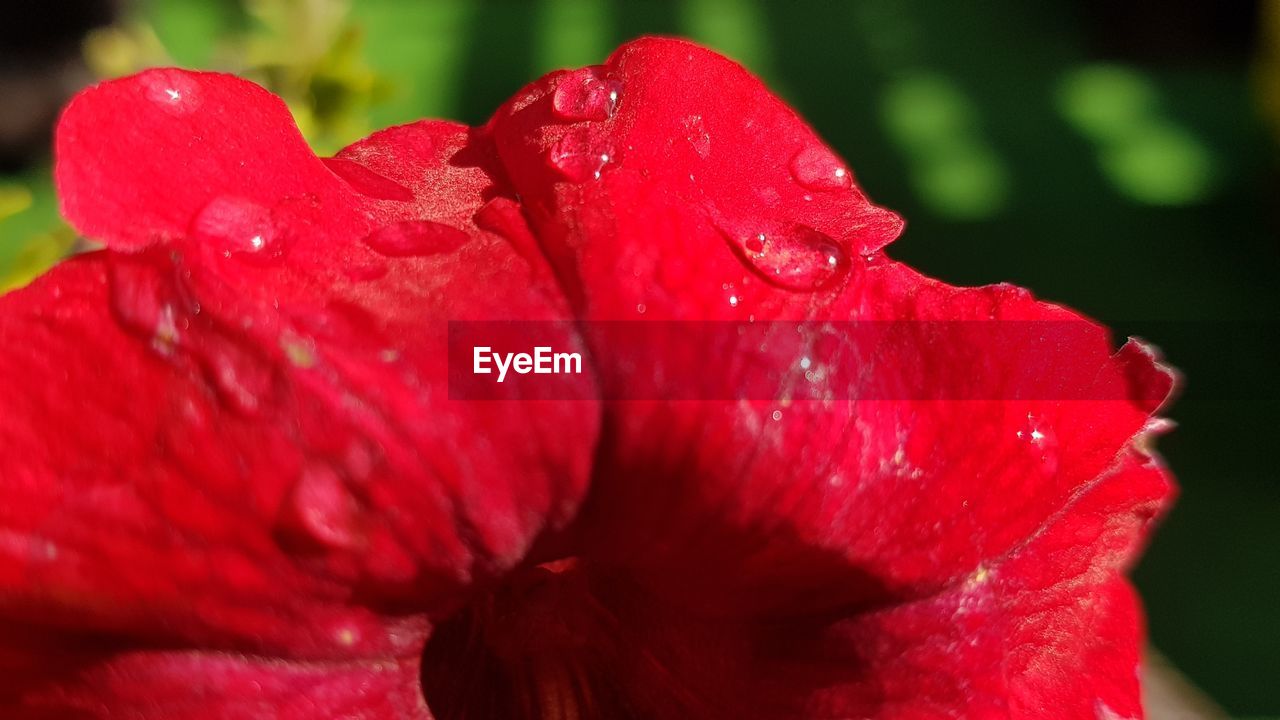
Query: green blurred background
[1117,157]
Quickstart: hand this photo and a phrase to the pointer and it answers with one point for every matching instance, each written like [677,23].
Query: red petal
[138,158]
[759,509]
[716,202]
[910,494]
[697,154]
[1050,631]
[250,447]
[161,685]
[137,504]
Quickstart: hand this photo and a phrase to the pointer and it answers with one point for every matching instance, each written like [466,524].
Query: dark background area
[1115,157]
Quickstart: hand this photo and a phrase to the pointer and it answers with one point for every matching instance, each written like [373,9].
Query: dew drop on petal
[817,168]
[697,136]
[586,95]
[1040,440]
[146,305]
[243,380]
[412,238]
[791,256]
[367,182]
[321,508]
[166,336]
[579,157]
[174,91]
[237,228]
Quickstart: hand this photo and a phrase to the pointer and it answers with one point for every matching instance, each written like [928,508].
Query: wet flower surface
[236,485]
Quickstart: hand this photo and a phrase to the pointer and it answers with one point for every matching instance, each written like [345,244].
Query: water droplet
[366,181]
[166,337]
[237,228]
[416,238]
[1039,437]
[321,509]
[586,95]
[817,168]
[579,157]
[146,304]
[243,380]
[175,91]
[791,256]
[697,135]
[777,415]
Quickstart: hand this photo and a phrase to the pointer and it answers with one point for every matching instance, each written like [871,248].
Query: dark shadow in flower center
[578,639]
[537,647]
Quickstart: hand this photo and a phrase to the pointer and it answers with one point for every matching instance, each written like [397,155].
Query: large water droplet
[817,168]
[234,227]
[586,95]
[791,256]
[578,156]
[320,508]
[416,238]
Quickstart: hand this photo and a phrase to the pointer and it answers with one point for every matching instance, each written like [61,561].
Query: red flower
[236,486]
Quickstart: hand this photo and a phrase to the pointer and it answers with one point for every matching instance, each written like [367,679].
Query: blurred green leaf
[14,198]
[32,236]
[572,33]
[194,32]
[737,28]
[419,50]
